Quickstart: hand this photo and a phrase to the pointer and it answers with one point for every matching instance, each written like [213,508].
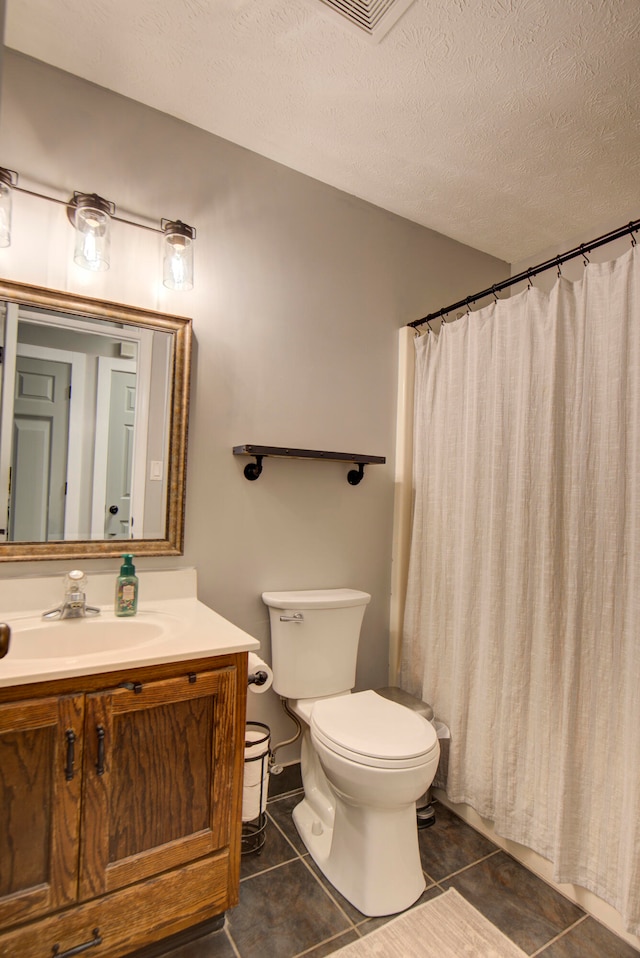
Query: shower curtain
[522,620]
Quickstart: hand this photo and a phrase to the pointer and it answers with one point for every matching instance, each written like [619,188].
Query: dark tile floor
[288,909]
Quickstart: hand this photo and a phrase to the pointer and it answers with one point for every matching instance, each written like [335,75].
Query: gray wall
[299,294]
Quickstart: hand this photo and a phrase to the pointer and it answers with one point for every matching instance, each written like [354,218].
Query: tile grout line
[326,941]
[352,925]
[296,854]
[284,835]
[560,935]
[464,869]
[231,941]
[271,868]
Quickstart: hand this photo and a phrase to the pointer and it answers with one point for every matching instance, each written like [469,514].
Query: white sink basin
[172,625]
[32,638]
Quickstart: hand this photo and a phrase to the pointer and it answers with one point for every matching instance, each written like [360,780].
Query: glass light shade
[177,267]
[93,233]
[5,208]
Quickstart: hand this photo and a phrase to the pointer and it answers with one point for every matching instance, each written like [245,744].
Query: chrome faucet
[74,605]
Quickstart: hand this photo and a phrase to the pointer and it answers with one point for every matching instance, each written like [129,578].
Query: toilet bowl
[365,760]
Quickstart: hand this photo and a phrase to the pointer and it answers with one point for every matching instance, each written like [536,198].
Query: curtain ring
[584,255]
[495,295]
[634,241]
[558,266]
[468,307]
[529,283]
[428,326]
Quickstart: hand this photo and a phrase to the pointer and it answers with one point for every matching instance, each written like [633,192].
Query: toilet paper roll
[253,774]
[252,807]
[256,665]
[256,756]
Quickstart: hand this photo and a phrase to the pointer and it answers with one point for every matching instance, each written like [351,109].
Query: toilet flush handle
[294,617]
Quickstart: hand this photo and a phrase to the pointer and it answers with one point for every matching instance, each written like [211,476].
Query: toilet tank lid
[316,599]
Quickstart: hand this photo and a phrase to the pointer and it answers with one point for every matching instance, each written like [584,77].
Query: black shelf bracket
[253,470]
[354,476]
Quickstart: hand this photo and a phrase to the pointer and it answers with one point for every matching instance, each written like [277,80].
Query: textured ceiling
[507,124]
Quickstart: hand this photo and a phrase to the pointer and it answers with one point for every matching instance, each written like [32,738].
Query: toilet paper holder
[259,676]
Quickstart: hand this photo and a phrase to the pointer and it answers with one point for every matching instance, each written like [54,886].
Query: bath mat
[445,927]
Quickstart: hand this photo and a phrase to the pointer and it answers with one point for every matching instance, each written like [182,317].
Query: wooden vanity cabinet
[120,807]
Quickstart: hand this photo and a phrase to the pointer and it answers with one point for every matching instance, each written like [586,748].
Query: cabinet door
[40,762]
[158,777]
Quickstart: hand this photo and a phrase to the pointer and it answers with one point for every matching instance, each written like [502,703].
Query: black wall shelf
[253,469]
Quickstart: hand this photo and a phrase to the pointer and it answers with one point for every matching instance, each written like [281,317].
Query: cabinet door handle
[100,762]
[69,767]
[5,638]
[96,940]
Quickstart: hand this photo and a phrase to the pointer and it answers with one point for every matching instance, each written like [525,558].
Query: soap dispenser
[127,588]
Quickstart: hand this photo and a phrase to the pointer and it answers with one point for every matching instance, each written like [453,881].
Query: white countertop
[173,623]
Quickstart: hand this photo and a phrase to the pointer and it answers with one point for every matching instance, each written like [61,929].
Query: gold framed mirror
[94,407]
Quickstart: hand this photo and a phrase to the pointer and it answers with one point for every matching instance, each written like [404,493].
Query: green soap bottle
[127,588]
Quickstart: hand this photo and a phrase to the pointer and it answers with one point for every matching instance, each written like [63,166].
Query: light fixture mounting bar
[69,203]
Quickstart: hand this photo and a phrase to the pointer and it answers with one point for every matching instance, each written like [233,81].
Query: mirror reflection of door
[39,458]
[122,407]
[120,437]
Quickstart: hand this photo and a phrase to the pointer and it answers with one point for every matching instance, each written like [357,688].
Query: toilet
[365,759]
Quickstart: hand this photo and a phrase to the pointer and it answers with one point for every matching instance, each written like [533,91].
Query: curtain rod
[581,250]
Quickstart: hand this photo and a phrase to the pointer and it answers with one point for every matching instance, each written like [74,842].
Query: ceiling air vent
[373,18]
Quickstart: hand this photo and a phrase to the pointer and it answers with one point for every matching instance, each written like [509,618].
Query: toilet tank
[314,640]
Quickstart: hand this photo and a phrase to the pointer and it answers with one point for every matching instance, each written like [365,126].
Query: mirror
[94,402]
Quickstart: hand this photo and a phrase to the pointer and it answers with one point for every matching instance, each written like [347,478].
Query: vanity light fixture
[177,267]
[8,181]
[91,217]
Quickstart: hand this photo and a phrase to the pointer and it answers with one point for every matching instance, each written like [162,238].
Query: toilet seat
[370,730]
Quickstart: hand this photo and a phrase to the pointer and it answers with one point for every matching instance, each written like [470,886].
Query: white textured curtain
[522,622]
